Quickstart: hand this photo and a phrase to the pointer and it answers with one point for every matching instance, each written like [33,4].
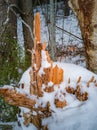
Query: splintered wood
[49,89]
[70,90]
[38,56]
[16,99]
[91,80]
[36,119]
[57,77]
[54,74]
[77,92]
[60,104]
[37,27]
[79,95]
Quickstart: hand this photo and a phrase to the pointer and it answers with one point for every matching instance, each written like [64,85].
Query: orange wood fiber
[37,27]
[53,74]
[38,55]
[60,104]
[49,89]
[15,98]
[57,75]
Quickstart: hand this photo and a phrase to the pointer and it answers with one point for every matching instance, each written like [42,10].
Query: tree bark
[7,25]
[3,9]
[67,8]
[11,29]
[27,16]
[9,60]
[8,43]
[52,31]
[86,12]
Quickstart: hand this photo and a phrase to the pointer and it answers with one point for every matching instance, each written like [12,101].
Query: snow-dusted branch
[11,8]
[18,16]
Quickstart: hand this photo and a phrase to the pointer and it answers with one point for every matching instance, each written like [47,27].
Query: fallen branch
[69,33]
[15,98]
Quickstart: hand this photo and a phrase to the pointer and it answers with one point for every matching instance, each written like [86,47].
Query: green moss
[7,112]
[10,61]
[11,68]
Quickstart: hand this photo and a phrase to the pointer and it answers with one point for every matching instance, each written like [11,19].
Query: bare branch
[10,8]
[69,33]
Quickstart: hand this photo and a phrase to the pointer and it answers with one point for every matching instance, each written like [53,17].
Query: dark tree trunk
[3,11]
[67,8]
[27,16]
[8,43]
[8,56]
[86,12]
[12,24]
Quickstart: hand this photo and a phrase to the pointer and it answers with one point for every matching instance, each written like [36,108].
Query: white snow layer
[77,115]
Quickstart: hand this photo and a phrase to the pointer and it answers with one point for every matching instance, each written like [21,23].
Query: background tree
[52,30]
[10,62]
[9,59]
[67,8]
[86,12]
[26,13]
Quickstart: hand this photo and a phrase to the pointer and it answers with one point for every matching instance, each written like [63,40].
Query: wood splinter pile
[81,96]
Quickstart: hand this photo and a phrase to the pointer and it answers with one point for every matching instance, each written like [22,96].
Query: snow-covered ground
[76,115]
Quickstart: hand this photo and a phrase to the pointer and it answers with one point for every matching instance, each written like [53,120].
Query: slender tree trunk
[27,16]
[8,43]
[11,29]
[52,30]
[8,22]
[67,8]
[86,12]
[3,9]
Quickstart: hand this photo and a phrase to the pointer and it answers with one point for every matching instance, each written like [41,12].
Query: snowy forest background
[59,28]
[67,37]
